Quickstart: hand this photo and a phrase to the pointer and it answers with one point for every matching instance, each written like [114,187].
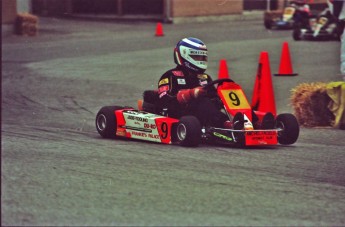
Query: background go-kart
[56,170]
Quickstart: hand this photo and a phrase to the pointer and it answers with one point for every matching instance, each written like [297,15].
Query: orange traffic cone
[159,29]
[140,104]
[223,72]
[285,68]
[263,94]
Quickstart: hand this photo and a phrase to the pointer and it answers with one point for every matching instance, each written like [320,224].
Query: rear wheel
[187,131]
[106,121]
[289,128]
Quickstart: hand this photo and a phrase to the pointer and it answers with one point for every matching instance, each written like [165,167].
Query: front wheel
[106,121]
[187,132]
[296,34]
[268,24]
[289,128]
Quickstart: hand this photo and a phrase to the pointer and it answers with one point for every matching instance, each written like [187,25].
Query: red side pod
[120,130]
[121,124]
[164,127]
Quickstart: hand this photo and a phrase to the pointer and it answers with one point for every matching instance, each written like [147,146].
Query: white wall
[24,6]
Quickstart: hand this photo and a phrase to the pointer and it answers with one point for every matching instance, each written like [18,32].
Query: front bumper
[261,137]
[309,35]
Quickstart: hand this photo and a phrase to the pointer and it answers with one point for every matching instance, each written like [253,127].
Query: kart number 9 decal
[236,99]
[164,130]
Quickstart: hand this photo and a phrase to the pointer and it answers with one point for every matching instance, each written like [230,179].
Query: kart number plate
[236,99]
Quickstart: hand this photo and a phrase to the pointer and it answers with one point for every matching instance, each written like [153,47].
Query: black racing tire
[290,128]
[268,24]
[187,132]
[296,34]
[336,35]
[106,121]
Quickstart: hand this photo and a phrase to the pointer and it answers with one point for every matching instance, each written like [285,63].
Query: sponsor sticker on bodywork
[261,137]
[219,135]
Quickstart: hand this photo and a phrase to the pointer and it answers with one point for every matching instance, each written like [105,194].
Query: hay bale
[336,92]
[310,103]
[26,24]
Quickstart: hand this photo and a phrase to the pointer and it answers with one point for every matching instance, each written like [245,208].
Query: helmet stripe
[192,43]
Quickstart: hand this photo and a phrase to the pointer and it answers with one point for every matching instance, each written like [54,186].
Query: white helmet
[191,53]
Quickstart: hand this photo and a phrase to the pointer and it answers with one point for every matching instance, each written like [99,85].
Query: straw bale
[26,24]
[310,103]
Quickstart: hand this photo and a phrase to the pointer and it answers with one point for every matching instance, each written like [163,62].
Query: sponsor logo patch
[162,94]
[202,76]
[136,118]
[198,52]
[203,82]
[163,81]
[177,73]
[222,136]
[181,81]
[163,88]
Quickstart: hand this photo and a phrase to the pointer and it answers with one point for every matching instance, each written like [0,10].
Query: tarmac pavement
[56,170]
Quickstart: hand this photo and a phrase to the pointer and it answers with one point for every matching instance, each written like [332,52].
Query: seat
[150,100]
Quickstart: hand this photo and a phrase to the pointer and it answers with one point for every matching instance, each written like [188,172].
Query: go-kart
[317,28]
[284,21]
[151,124]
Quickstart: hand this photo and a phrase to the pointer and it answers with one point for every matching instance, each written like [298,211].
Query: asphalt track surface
[57,170]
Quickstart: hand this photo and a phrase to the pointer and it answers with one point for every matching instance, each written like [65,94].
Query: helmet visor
[199,57]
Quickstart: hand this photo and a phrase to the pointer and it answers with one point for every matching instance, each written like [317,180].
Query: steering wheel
[219,82]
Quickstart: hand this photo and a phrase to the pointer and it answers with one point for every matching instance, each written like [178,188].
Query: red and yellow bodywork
[235,101]
[142,125]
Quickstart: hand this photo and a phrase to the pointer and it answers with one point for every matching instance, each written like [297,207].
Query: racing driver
[181,89]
